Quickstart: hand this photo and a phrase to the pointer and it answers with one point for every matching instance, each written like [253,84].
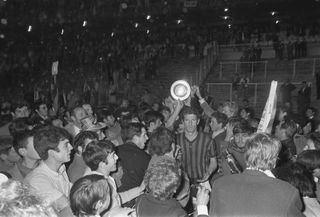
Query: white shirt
[116,200]
[50,185]
[312,207]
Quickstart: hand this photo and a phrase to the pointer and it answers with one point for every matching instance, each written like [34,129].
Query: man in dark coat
[256,192]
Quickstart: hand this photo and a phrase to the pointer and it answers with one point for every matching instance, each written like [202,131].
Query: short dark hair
[151,116]
[96,152]
[187,110]
[220,117]
[160,141]
[6,143]
[242,127]
[310,159]
[86,192]
[83,135]
[20,140]
[47,138]
[133,129]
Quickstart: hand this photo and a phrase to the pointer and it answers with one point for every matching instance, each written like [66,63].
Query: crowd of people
[170,158]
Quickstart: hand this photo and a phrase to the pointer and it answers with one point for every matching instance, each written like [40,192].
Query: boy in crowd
[50,179]
[133,159]
[8,156]
[101,159]
[24,146]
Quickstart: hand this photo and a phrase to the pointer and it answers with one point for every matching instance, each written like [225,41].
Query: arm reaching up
[204,105]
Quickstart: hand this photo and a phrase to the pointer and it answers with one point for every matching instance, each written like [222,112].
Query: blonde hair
[262,151]
[16,199]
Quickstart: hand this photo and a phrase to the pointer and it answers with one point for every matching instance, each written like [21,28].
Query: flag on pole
[269,111]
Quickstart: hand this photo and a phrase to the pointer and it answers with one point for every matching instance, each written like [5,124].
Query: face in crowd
[190,122]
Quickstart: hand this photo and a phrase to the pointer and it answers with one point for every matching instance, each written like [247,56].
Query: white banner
[269,111]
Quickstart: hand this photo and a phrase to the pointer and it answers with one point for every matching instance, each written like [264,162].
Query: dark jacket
[253,193]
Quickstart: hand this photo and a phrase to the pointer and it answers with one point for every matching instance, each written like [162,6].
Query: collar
[266,172]
[61,169]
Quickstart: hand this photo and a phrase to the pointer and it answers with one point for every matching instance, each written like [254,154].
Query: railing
[314,62]
[254,69]
[256,93]
[263,44]
[206,64]
[241,66]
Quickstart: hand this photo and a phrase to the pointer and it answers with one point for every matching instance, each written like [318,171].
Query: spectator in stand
[49,178]
[8,156]
[24,146]
[133,160]
[17,199]
[304,98]
[276,198]
[285,90]
[78,166]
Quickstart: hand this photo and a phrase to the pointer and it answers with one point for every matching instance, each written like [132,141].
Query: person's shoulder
[227,179]
[37,174]
[285,186]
